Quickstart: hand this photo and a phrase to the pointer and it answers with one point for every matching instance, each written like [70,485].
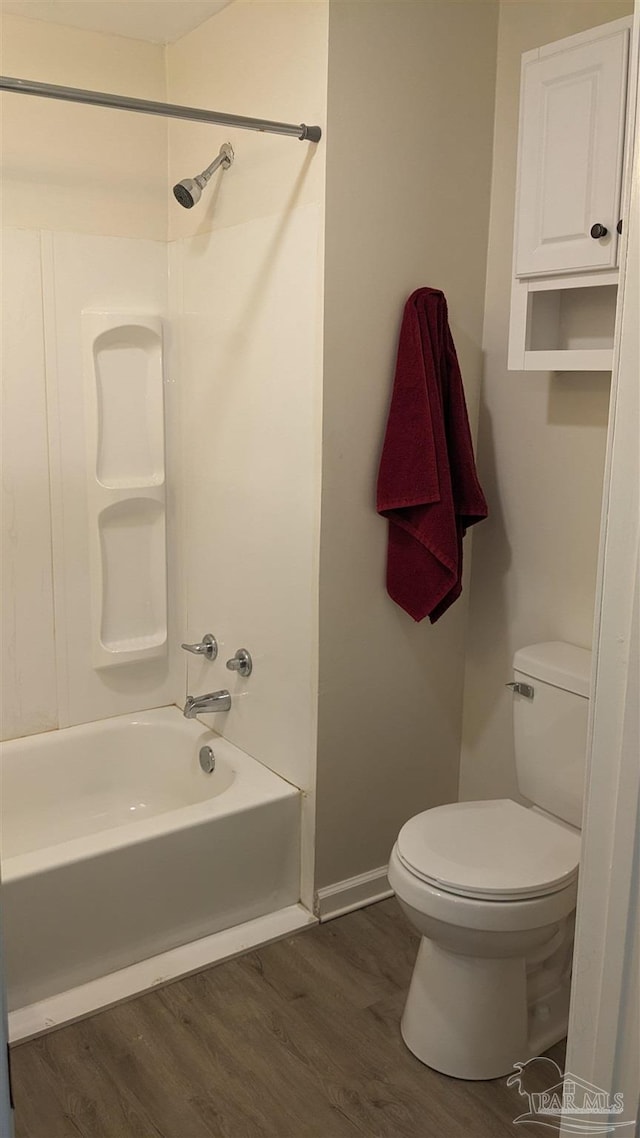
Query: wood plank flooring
[297,1040]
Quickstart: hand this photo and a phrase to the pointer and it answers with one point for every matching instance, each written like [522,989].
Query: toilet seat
[494,851]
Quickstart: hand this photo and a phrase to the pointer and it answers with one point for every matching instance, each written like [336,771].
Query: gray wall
[409,141]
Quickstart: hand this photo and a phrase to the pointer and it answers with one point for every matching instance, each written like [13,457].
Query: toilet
[491,887]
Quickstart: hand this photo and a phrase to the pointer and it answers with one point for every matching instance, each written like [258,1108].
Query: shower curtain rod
[147,107]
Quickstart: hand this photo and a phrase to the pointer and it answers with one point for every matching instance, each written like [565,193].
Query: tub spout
[204,704]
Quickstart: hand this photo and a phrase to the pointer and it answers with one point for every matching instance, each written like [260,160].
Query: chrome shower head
[189,191]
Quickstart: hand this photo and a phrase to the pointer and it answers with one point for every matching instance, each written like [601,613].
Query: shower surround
[132,527]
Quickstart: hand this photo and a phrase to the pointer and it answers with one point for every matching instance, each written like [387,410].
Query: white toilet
[491,887]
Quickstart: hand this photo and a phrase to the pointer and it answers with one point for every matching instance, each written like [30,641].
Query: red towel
[427,484]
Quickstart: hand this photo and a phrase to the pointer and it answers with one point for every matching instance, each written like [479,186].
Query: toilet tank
[550,728]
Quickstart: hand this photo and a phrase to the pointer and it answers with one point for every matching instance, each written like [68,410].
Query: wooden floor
[296,1040]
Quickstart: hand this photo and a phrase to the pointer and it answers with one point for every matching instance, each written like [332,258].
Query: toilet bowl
[491,888]
[491,982]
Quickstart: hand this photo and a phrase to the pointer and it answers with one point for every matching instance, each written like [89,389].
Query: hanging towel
[427,484]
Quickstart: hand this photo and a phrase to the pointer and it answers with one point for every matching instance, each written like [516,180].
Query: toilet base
[468,1016]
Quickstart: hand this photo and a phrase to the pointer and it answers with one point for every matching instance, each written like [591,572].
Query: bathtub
[118,848]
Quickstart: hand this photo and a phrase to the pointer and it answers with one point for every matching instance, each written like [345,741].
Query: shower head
[189,191]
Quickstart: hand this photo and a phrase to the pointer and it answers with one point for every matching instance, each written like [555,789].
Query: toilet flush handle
[522,689]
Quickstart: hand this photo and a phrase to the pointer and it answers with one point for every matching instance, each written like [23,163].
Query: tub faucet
[213,701]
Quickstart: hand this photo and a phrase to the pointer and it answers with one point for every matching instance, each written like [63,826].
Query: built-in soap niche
[134,583]
[125,469]
[129,394]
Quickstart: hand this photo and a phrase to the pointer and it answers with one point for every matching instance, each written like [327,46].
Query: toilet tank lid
[564,665]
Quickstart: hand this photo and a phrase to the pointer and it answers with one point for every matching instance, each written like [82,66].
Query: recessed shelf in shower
[128,376]
[124,400]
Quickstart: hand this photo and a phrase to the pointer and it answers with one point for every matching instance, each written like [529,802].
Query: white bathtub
[117,847]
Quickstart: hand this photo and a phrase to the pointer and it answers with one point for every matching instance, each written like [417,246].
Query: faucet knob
[208,647]
[241,662]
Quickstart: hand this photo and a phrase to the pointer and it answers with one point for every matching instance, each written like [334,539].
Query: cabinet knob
[619,226]
[598,230]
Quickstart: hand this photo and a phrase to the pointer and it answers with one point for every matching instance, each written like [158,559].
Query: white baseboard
[97,995]
[353,893]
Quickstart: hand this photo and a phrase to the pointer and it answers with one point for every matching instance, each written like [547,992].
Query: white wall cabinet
[571,138]
[573,102]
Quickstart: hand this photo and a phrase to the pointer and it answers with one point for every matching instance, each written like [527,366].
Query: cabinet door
[570,155]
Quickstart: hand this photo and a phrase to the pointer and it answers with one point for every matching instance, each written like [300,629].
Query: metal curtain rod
[147,107]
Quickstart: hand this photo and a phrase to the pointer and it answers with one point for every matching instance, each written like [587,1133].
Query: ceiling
[159,21]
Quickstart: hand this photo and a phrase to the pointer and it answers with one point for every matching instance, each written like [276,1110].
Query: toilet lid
[494,850]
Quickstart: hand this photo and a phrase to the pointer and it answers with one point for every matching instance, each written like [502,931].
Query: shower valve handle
[208,647]
[241,663]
